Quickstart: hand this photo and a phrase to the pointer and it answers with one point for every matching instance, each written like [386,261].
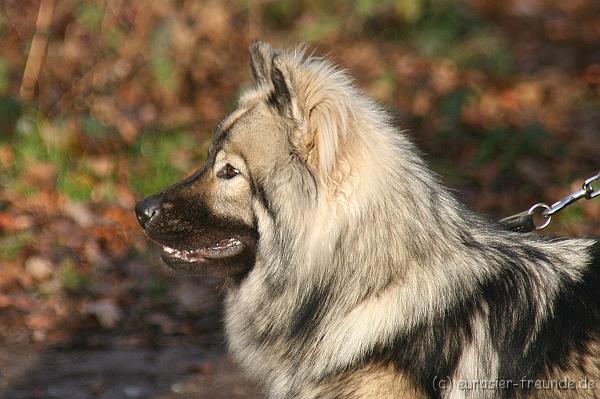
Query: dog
[351,272]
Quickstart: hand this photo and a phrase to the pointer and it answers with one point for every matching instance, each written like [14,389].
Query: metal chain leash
[523,222]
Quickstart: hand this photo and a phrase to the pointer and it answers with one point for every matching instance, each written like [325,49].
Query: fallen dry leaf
[39,267]
[106,312]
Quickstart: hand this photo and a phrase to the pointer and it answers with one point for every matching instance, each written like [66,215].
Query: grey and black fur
[353,273]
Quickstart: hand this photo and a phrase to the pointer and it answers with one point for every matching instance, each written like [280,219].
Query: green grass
[89,16]
[161,63]
[509,145]
[156,287]
[3,76]
[154,156]
[73,279]
[320,29]
[12,244]
[447,29]
[450,30]
[77,184]
[154,161]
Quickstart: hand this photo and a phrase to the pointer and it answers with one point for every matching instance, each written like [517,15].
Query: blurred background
[105,101]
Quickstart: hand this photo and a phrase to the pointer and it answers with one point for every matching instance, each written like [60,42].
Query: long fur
[376,263]
[355,273]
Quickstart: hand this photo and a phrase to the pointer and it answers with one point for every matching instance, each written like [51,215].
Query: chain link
[590,192]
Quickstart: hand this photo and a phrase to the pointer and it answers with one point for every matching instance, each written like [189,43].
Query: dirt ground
[172,372]
[92,362]
[176,371]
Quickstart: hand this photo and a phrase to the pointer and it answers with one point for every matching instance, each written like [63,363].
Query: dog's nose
[146,209]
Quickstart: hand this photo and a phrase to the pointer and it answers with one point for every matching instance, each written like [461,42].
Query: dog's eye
[228,172]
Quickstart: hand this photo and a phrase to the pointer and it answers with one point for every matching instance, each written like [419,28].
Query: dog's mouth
[219,250]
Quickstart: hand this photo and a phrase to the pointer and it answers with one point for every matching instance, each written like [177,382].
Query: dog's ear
[269,70]
[261,58]
[301,94]
[281,96]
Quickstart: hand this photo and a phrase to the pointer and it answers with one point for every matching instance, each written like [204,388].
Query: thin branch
[37,50]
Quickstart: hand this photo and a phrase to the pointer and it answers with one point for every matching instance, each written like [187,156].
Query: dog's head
[274,148]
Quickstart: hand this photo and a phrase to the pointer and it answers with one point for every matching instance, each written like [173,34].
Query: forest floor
[103,102]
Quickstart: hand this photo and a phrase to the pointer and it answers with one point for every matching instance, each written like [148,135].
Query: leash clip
[587,191]
[523,222]
[590,192]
